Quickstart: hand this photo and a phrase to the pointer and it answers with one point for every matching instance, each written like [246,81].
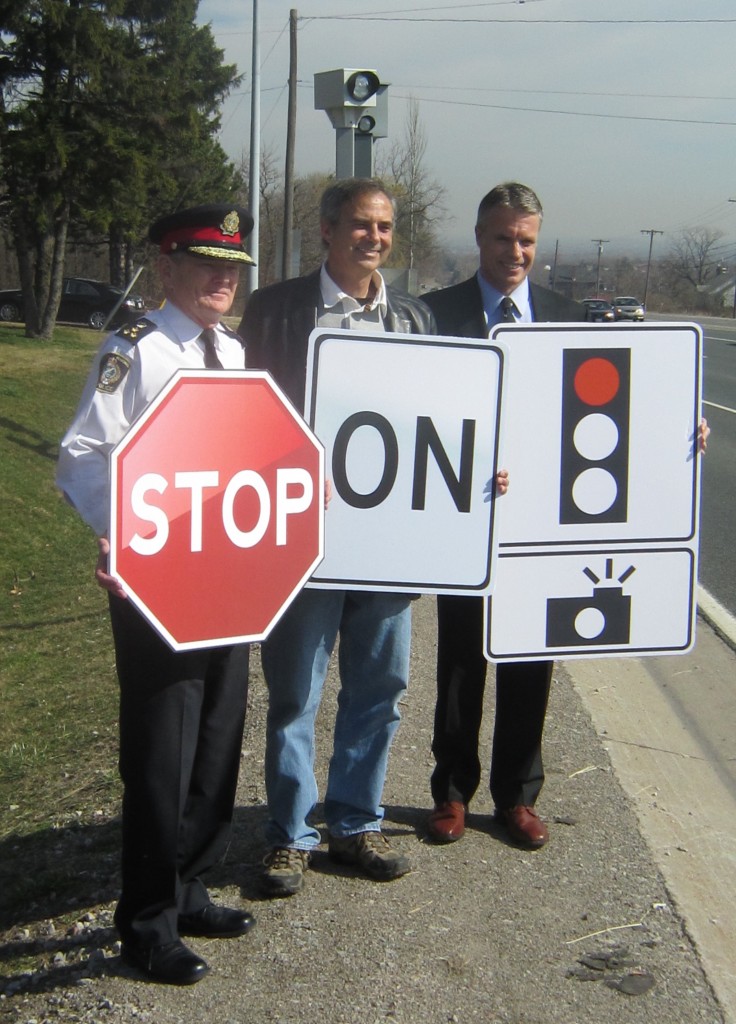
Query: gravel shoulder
[479,931]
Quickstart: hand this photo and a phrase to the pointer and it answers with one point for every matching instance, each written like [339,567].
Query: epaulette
[136,330]
[232,333]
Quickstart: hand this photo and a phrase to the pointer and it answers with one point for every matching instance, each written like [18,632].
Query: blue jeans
[375,634]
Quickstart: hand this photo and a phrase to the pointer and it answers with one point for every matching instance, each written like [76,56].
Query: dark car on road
[627,307]
[599,311]
[82,302]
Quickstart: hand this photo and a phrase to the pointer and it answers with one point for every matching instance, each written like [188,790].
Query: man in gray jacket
[348,291]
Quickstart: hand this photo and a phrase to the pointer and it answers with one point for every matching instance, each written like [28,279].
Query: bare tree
[307,195]
[692,256]
[270,200]
[420,198]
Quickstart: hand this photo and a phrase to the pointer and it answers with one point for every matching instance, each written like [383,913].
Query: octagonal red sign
[217,516]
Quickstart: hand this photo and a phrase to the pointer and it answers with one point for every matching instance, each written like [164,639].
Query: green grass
[58,690]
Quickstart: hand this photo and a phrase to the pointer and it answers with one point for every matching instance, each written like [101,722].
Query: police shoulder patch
[136,330]
[113,368]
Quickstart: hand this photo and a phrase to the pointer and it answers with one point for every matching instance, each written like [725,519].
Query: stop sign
[217,509]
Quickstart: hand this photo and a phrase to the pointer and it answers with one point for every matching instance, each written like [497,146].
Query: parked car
[82,302]
[599,311]
[626,307]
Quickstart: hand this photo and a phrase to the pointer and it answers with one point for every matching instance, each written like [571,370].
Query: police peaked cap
[212,231]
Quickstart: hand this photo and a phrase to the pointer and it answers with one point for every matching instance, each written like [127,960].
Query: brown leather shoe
[446,823]
[524,826]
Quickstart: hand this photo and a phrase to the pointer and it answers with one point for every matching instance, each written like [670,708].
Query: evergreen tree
[108,117]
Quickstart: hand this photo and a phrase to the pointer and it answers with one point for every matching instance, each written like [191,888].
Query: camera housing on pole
[356,103]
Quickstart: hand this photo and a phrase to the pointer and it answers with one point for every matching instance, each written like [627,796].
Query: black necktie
[211,361]
[508,310]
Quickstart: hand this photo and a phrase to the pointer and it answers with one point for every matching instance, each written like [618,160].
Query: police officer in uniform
[181,713]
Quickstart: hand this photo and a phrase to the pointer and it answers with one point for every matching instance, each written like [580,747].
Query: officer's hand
[105,580]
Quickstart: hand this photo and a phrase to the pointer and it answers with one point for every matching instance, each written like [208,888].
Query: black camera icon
[604,618]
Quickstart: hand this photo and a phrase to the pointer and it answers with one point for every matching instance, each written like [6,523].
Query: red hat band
[184,237]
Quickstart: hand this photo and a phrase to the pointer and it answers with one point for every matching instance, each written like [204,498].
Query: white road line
[719,617]
[715,405]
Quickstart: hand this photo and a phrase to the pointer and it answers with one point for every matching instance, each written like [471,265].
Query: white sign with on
[410,426]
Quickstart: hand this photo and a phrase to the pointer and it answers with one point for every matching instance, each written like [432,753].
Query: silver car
[626,307]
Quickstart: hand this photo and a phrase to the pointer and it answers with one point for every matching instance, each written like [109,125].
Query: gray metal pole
[344,153]
[254,182]
[286,251]
[363,145]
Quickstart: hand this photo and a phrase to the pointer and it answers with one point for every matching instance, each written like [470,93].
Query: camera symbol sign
[604,618]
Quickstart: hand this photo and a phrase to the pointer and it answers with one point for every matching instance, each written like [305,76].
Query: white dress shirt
[127,374]
[492,299]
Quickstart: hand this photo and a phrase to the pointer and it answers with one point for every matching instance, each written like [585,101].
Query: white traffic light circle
[596,436]
[594,491]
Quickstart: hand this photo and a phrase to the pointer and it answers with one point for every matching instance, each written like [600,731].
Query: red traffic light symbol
[594,445]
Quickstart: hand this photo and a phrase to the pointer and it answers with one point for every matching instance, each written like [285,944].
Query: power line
[574,113]
[522,21]
[455,7]
[541,110]
[545,110]
[566,92]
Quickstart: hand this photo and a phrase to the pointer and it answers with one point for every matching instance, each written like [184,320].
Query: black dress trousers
[181,728]
[522,691]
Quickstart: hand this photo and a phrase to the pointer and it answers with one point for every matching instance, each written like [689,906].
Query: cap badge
[231,224]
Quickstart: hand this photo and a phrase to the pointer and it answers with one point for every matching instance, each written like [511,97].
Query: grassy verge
[58,691]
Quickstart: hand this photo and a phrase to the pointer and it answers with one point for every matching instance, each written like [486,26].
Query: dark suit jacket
[517,773]
[459,308]
[279,319]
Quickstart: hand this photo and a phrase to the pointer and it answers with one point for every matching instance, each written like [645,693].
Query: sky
[620,114]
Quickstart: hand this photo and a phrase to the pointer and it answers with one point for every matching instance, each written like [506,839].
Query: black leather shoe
[216,922]
[172,963]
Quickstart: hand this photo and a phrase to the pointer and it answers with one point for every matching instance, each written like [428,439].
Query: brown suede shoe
[524,826]
[446,823]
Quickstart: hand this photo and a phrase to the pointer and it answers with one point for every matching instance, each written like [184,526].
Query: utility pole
[601,242]
[553,279]
[289,167]
[651,232]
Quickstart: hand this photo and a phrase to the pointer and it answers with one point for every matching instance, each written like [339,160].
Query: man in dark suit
[507,228]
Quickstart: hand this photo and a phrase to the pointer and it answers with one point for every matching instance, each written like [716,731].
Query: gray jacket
[279,319]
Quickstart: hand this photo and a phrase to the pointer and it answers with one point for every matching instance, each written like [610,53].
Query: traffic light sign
[594,456]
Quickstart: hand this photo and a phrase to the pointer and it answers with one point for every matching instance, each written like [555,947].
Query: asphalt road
[718,509]
[718,504]
[669,723]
